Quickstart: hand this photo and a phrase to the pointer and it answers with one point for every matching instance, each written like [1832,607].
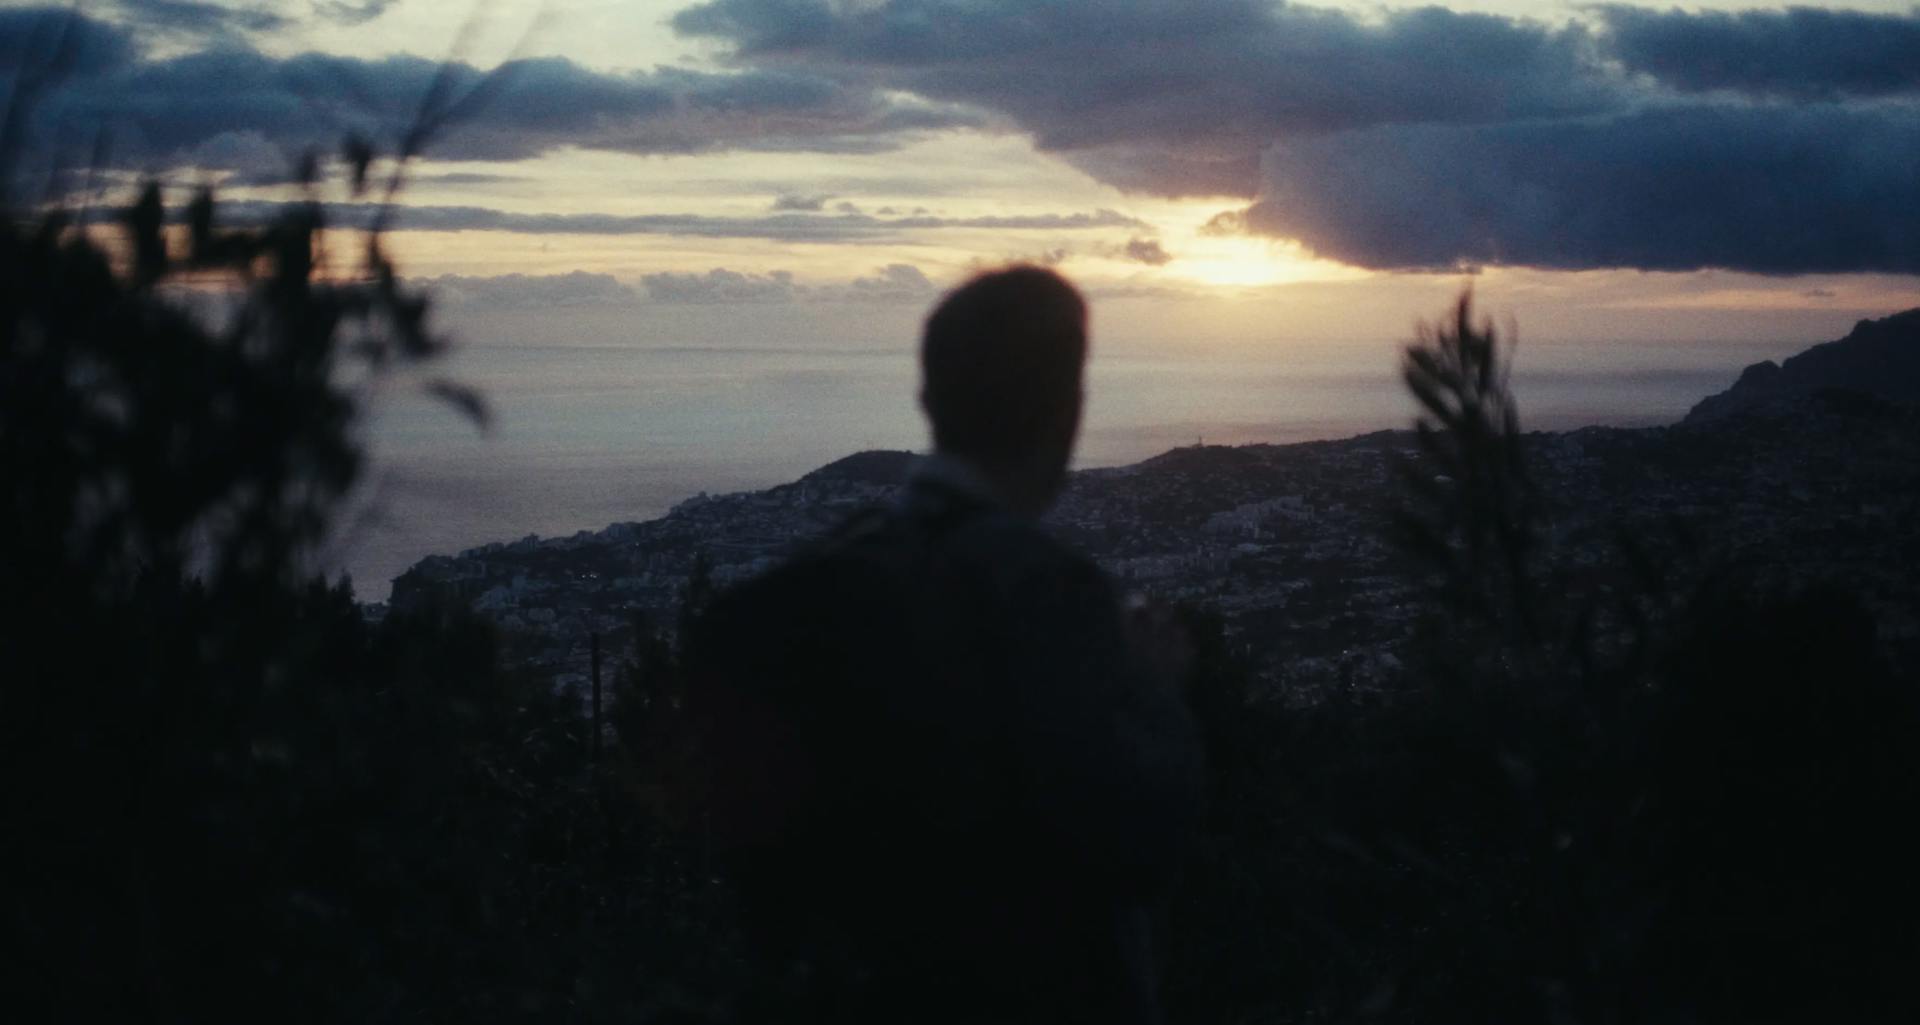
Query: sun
[1241,262]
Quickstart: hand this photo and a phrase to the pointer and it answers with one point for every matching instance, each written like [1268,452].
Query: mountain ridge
[1287,542]
[1878,357]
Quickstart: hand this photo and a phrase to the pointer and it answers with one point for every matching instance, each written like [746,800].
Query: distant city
[1797,474]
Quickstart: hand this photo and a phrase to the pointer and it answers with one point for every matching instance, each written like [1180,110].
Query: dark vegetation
[1673,796]
[229,797]
[1666,792]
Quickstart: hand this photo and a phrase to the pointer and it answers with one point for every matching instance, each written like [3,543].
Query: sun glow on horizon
[1242,262]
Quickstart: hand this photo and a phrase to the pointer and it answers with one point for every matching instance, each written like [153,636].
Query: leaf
[463,398]
[144,222]
[358,153]
[200,226]
[307,171]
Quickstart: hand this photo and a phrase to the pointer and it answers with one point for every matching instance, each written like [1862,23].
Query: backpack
[871,713]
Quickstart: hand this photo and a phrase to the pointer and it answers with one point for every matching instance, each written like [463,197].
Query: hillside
[1288,542]
[1879,357]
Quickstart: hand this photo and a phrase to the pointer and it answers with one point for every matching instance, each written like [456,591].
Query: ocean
[590,434]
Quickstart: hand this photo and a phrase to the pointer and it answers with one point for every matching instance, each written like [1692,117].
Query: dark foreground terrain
[1654,764]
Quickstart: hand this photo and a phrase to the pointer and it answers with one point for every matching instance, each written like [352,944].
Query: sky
[1235,171]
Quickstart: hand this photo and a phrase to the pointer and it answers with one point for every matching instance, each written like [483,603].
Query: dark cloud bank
[1773,191]
[227,98]
[1773,141]
[784,227]
[1802,52]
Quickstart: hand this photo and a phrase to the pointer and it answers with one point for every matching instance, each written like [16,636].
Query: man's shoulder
[855,562]
[1019,554]
[901,536]
[877,555]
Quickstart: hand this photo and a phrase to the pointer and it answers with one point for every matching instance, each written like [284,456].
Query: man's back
[946,787]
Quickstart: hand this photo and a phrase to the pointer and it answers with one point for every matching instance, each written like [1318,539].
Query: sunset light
[1247,262]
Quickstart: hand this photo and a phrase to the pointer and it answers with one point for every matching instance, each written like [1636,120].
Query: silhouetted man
[947,772]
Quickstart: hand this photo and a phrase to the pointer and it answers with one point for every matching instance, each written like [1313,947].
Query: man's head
[1001,361]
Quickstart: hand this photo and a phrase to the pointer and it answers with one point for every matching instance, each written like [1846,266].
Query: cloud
[1053,257]
[1176,98]
[1233,170]
[176,25]
[1102,218]
[799,202]
[1773,141]
[1145,250]
[720,285]
[346,12]
[463,178]
[786,227]
[162,109]
[1225,224]
[1801,52]
[1777,190]
[249,156]
[31,38]
[200,19]
[895,282]
[578,288]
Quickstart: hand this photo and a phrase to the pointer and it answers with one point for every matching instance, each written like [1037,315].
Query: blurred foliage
[1471,512]
[231,796]
[1659,793]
